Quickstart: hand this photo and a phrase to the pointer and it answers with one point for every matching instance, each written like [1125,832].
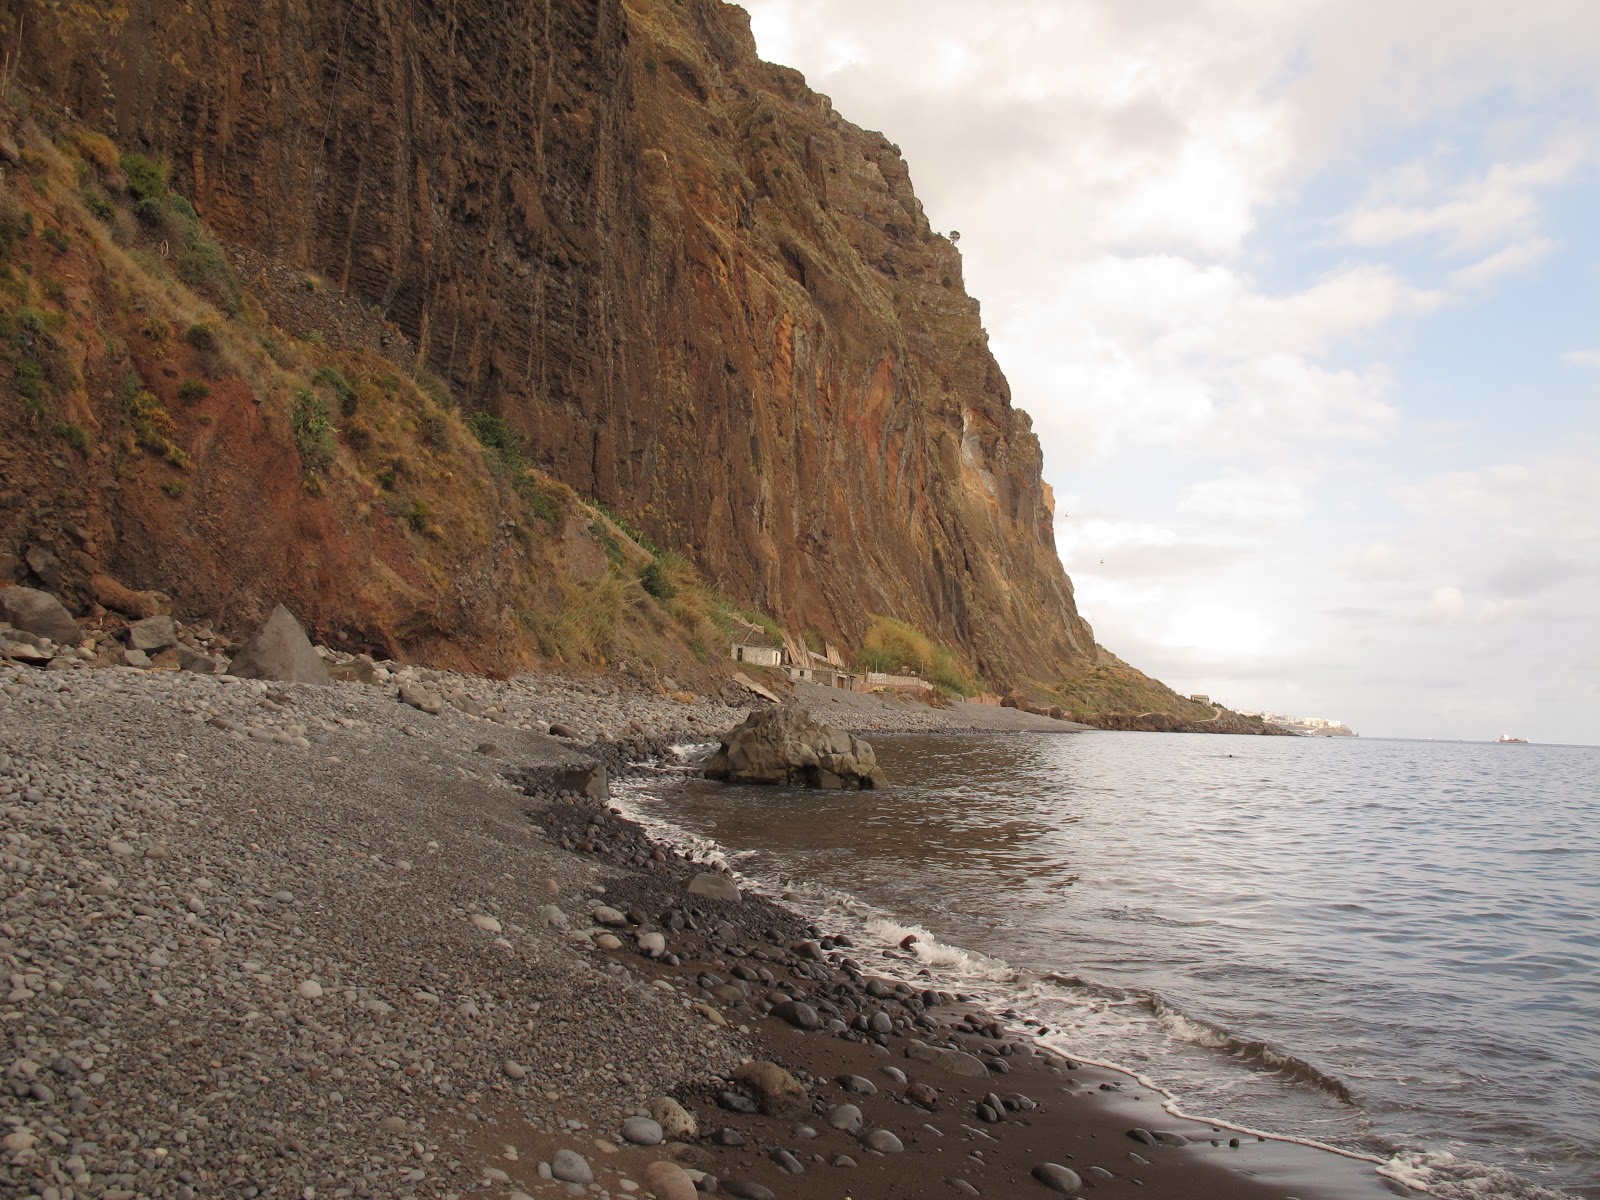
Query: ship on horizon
[1507,739]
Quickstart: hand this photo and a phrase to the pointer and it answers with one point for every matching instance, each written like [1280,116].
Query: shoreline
[277,936]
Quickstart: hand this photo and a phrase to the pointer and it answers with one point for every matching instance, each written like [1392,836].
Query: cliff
[701,297]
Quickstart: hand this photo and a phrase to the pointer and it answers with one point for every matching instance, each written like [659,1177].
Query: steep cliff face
[708,300]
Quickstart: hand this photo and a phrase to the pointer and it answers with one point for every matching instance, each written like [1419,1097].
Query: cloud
[1274,498]
[1376,561]
[1446,605]
[1529,572]
[1582,358]
[1467,216]
[1515,259]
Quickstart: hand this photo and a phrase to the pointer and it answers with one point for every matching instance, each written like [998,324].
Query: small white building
[757,647]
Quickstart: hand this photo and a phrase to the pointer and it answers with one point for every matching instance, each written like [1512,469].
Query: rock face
[614,226]
[40,614]
[280,651]
[785,746]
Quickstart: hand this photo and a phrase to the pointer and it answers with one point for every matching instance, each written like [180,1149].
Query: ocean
[1388,947]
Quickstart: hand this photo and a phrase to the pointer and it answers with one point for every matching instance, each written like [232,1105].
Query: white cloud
[1373,562]
[1583,358]
[1469,217]
[1273,498]
[1446,605]
[1515,259]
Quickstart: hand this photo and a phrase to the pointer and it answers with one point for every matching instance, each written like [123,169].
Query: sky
[1303,297]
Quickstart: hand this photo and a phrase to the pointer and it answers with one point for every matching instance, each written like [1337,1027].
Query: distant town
[1314,726]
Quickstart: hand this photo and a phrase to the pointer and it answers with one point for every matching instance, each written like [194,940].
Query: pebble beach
[267,939]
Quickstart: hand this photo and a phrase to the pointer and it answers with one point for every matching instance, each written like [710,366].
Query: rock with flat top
[785,745]
[280,651]
[39,613]
[718,887]
[152,634]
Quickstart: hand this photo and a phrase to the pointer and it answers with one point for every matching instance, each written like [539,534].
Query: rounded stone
[1058,1178]
[653,944]
[675,1120]
[669,1181]
[309,989]
[571,1167]
[882,1141]
[642,1131]
[846,1117]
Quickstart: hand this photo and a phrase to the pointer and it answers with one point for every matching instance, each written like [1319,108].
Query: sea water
[1388,947]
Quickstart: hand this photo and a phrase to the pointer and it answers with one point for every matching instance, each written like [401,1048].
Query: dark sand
[1081,1116]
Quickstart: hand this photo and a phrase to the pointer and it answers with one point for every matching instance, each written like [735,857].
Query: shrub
[201,336]
[436,389]
[152,424]
[29,377]
[74,436]
[147,177]
[58,241]
[100,205]
[654,582]
[192,391]
[14,226]
[97,149]
[150,211]
[494,432]
[340,386]
[435,431]
[313,430]
[200,264]
[417,516]
[312,337]
[388,477]
[174,488]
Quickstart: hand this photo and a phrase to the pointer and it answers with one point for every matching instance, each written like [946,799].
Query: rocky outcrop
[785,746]
[614,226]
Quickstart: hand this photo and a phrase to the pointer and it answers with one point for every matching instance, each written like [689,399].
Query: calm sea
[1391,947]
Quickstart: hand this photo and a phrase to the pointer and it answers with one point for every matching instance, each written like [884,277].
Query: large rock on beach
[778,1093]
[40,614]
[280,651]
[786,745]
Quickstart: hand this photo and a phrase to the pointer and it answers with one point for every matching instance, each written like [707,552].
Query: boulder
[778,1093]
[280,651]
[422,698]
[153,633]
[669,1181]
[786,746]
[39,613]
[717,887]
[198,663]
[676,1121]
[360,669]
[590,781]
[113,595]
